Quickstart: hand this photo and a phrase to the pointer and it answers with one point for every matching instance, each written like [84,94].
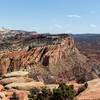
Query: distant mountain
[3,30]
[8,33]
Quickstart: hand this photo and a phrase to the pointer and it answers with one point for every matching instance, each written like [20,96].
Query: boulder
[20,95]
[13,95]
[6,81]
[25,86]
[16,74]
[1,87]
[3,96]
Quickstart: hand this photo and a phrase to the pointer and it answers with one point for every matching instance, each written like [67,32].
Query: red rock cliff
[54,60]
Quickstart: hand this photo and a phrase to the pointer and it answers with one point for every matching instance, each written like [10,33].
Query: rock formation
[44,59]
[19,87]
[49,58]
[92,92]
[13,95]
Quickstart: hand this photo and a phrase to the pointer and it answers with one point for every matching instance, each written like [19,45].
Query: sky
[51,16]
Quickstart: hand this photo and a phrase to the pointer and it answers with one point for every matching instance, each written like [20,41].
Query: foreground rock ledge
[13,95]
[92,92]
[25,86]
[7,81]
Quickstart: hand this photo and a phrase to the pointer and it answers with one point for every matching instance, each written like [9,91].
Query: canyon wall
[50,63]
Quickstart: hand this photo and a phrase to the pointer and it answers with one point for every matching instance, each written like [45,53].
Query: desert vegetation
[63,92]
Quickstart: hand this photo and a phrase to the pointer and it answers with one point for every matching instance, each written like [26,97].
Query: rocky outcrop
[21,90]
[50,62]
[25,86]
[16,77]
[22,82]
[20,87]
[19,80]
[13,95]
[92,92]
[16,74]
[10,80]
[17,86]
[1,87]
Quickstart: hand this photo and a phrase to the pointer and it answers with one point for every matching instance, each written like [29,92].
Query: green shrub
[67,92]
[46,92]
[63,92]
[81,79]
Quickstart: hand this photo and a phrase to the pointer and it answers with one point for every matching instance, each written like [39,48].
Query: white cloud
[58,26]
[92,25]
[73,16]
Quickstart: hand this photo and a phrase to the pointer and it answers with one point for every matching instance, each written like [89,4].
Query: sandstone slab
[25,86]
[92,92]
[6,81]
[16,74]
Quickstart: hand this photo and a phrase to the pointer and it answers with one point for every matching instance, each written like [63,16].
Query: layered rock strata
[50,62]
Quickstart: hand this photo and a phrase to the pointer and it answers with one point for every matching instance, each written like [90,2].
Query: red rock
[3,96]
[21,95]
[62,60]
[46,55]
[13,94]
[1,87]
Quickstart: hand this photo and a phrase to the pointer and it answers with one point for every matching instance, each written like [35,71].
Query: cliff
[49,63]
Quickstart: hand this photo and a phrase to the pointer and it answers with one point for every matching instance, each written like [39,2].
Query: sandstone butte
[51,63]
[46,55]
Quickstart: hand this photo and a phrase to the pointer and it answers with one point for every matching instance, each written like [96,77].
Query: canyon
[48,58]
[30,61]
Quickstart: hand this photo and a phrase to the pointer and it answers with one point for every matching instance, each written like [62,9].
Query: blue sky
[54,16]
